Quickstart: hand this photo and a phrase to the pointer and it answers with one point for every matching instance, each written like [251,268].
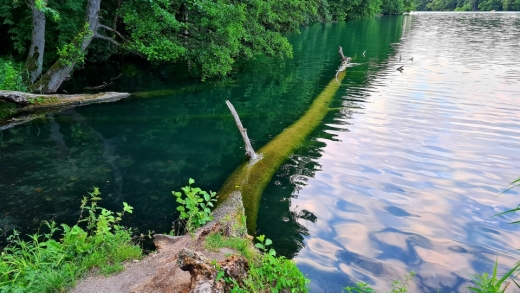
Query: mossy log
[35,101]
[251,180]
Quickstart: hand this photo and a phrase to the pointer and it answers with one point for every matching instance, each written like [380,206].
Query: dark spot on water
[488,230]
[458,249]
[436,148]
[393,188]
[353,259]
[350,206]
[398,212]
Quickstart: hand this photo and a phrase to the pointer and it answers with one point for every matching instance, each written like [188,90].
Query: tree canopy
[56,36]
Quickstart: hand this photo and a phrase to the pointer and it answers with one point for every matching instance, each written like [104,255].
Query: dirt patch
[159,272]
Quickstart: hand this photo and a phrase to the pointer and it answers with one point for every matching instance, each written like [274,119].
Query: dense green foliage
[43,264]
[206,35]
[468,5]
[11,76]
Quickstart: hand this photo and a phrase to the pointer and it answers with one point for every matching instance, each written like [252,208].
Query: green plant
[268,273]
[397,286]
[44,264]
[491,284]
[11,76]
[360,288]
[274,274]
[196,206]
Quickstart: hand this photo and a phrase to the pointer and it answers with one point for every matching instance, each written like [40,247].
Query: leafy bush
[11,76]
[268,273]
[43,264]
[195,207]
[276,274]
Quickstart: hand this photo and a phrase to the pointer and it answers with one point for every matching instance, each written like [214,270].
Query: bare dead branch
[105,38]
[112,30]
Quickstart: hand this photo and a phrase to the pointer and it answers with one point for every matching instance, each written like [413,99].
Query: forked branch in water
[250,152]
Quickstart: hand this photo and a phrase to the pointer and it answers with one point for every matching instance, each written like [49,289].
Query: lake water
[401,176]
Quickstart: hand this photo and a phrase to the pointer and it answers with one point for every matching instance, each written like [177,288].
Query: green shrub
[268,272]
[43,264]
[196,207]
[11,76]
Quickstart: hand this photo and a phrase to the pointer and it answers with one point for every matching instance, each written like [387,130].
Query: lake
[402,175]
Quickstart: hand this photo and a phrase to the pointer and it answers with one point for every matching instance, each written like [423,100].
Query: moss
[32,61]
[41,100]
[252,180]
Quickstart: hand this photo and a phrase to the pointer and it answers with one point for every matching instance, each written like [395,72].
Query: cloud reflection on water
[409,180]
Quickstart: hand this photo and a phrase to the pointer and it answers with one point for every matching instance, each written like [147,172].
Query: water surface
[405,176]
[401,175]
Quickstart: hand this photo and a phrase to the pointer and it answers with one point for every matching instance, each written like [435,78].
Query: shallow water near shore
[401,175]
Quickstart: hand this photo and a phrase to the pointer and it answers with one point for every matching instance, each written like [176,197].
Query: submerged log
[250,152]
[251,180]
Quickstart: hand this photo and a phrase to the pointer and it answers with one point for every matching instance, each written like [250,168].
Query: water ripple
[408,181]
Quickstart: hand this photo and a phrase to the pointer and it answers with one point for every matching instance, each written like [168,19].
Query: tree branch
[101,37]
[112,30]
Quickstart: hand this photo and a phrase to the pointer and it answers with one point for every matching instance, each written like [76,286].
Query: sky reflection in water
[408,180]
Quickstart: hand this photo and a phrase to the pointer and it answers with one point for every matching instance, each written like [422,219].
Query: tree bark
[54,77]
[34,61]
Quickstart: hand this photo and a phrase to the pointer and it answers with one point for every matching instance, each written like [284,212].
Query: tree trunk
[54,77]
[34,61]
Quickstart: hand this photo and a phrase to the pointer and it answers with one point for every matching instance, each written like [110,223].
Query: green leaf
[260,245]
[191,181]
[268,242]
[127,208]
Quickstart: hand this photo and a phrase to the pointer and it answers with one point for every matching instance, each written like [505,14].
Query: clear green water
[400,176]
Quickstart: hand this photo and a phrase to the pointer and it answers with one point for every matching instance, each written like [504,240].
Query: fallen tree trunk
[251,180]
[35,101]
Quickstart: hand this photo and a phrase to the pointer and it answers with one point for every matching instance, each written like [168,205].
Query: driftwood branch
[250,152]
[344,62]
